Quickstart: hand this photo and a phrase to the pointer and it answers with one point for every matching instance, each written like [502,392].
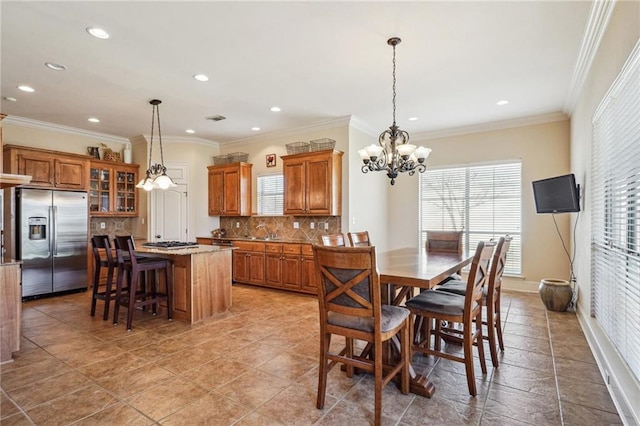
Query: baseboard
[621,383]
[511,284]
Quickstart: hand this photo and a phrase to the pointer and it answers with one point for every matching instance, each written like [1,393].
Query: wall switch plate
[237,224]
[102,225]
[312,225]
[296,225]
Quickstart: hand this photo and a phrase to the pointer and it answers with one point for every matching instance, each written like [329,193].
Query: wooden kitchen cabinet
[230,189]
[288,266]
[112,189]
[48,169]
[313,183]
[248,262]
[10,309]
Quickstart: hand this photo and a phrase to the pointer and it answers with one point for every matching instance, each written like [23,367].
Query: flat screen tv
[558,194]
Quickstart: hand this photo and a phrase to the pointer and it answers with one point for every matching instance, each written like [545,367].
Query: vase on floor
[555,294]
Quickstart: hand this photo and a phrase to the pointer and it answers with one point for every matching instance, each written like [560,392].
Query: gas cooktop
[168,245]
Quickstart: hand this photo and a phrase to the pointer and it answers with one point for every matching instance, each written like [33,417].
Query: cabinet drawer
[291,248]
[249,245]
[307,250]
[273,248]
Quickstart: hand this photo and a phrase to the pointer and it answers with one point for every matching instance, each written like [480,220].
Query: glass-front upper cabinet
[112,189]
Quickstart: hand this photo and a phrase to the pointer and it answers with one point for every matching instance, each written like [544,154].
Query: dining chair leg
[323,369]
[405,351]
[491,334]
[468,360]
[349,353]
[480,344]
[499,325]
[119,284]
[378,373]
[438,333]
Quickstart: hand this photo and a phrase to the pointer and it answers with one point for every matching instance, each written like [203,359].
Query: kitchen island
[10,307]
[201,280]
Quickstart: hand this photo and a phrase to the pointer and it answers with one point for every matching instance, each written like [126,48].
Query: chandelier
[156,173]
[394,154]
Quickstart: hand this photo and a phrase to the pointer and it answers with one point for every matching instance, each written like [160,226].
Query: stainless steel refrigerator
[51,240]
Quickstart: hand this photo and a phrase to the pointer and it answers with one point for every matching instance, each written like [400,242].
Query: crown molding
[599,17]
[281,134]
[487,127]
[43,125]
[357,124]
[176,139]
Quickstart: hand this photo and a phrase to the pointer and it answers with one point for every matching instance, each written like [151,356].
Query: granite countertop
[184,251]
[263,240]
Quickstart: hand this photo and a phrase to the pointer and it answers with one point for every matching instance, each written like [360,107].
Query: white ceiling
[317,61]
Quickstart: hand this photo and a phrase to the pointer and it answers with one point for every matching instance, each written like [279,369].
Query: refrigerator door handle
[54,216]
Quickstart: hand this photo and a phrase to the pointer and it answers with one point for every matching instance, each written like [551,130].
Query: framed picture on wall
[271,160]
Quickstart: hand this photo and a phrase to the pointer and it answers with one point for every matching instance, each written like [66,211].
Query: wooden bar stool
[102,258]
[137,268]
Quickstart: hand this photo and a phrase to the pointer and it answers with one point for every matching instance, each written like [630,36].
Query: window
[270,194]
[481,200]
[615,214]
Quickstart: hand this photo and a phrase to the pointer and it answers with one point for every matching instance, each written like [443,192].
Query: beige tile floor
[257,365]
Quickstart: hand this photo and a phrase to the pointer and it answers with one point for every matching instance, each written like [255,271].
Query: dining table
[404,269]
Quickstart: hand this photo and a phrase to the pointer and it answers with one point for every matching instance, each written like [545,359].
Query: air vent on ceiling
[216,117]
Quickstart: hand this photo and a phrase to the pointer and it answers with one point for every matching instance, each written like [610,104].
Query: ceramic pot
[555,294]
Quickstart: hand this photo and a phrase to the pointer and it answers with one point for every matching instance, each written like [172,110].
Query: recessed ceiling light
[413,118]
[255,129]
[201,77]
[502,102]
[190,131]
[275,109]
[10,99]
[26,88]
[54,66]
[98,33]
[94,120]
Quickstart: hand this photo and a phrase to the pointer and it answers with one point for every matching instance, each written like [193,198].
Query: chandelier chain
[153,116]
[394,84]
[160,135]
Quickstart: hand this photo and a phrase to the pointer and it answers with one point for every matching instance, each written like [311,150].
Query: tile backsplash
[282,226]
[112,226]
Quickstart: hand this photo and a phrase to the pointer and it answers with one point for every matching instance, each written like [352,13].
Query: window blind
[270,194]
[615,213]
[484,201]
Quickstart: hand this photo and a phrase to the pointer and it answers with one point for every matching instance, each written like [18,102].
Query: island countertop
[201,280]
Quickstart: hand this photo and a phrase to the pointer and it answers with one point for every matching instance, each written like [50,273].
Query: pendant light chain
[160,136]
[153,114]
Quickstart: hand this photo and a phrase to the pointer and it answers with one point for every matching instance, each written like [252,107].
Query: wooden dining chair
[359,239]
[444,241]
[333,240]
[454,309]
[350,302]
[491,296]
[136,268]
[102,258]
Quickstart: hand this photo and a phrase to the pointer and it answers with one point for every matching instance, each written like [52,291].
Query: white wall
[544,151]
[621,36]
[368,194]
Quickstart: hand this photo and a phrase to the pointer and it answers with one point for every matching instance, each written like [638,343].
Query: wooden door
[71,174]
[294,187]
[273,269]
[241,266]
[216,192]
[231,192]
[256,268]
[291,268]
[318,186]
[308,275]
[39,166]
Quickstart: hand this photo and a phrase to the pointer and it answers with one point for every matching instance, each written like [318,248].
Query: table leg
[418,384]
